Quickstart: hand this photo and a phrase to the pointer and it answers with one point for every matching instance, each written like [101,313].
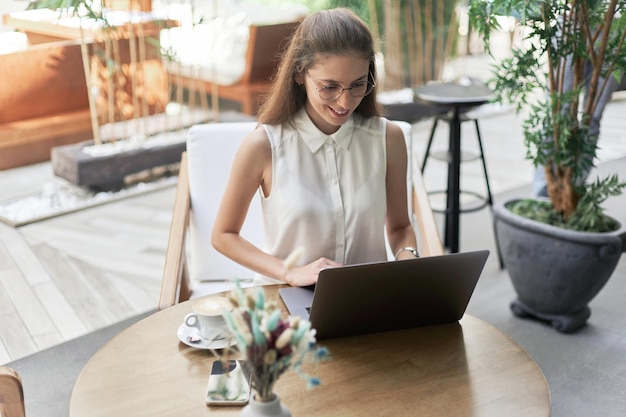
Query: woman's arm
[400,232]
[251,169]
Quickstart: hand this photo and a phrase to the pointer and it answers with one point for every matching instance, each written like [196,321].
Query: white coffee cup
[208,317]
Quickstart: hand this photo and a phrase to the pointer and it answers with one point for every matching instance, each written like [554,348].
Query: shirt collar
[314,138]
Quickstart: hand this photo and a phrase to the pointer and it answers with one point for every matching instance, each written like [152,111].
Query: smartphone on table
[229,383]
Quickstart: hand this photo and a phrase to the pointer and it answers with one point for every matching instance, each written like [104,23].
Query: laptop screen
[384,296]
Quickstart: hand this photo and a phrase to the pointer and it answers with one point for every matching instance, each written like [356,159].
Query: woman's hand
[308,274]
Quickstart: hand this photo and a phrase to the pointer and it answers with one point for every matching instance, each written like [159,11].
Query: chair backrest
[210,151]
[11,393]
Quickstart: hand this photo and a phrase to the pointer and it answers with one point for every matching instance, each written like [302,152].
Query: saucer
[185,331]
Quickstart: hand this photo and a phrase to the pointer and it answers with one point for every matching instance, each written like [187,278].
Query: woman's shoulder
[256,136]
[256,141]
[276,134]
[374,124]
[394,130]
[379,126]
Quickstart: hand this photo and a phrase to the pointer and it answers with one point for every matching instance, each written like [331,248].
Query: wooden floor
[70,275]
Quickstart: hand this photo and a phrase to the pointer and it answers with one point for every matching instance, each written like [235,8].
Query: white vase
[272,408]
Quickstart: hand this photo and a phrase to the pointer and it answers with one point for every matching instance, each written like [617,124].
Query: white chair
[11,393]
[204,170]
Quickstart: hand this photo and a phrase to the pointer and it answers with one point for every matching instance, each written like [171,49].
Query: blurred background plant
[417,36]
[122,64]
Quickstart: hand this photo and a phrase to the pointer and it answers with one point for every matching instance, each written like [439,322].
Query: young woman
[331,172]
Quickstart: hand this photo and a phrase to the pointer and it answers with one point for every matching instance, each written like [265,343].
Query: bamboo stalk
[393,63]
[452,29]
[419,42]
[438,56]
[428,44]
[410,46]
[106,38]
[115,92]
[179,89]
[93,111]
[168,82]
[215,104]
[133,74]
[204,103]
[371,6]
[142,61]
[108,53]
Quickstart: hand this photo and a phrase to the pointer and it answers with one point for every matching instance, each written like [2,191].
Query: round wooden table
[462,369]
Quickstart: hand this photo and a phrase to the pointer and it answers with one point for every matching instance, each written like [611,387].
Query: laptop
[390,295]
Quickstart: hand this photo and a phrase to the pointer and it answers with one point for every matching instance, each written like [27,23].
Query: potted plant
[271,345]
[559,251]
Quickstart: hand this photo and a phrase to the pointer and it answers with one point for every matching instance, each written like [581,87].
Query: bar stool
[460,98]
[465,157]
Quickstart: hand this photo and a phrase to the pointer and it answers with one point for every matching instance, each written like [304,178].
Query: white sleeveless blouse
[328,193]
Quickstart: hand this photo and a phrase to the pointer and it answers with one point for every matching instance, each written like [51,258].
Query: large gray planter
[555,272]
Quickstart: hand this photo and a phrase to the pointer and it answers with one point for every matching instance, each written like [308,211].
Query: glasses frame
[349,89]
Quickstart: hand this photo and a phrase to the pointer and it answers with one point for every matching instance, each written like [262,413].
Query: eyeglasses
[334,91]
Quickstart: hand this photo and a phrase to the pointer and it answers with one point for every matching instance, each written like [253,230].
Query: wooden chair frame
[11,393]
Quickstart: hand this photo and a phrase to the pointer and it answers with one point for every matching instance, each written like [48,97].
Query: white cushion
[210,150]
[213,51]
[257,14]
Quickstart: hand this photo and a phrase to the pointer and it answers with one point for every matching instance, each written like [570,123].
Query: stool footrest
[466,156]
[463,117]
[482,202]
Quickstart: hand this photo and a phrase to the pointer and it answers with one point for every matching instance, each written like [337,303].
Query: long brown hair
[328,32]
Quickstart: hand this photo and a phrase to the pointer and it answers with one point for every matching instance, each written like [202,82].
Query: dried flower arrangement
[271,345]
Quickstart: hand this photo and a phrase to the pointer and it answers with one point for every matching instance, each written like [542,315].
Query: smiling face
[343,70]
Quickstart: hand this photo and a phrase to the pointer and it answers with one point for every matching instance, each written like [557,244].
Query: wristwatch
[408,249]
